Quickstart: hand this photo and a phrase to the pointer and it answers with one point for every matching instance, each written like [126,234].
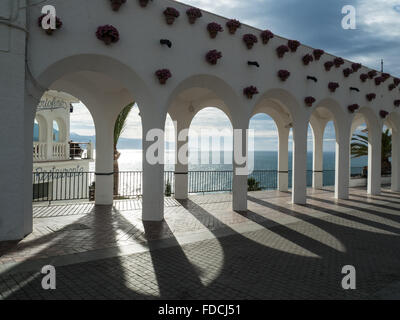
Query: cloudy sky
[313,22]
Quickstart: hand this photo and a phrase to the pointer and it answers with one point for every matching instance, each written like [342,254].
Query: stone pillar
[104,160]
[299,190]
[395,160]
[153,168]
[342,164]
[182,161]
[374,161]
[318,159]
[283,159]
[240,169]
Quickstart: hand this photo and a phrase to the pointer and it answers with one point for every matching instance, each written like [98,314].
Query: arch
[42,126]
[62,130]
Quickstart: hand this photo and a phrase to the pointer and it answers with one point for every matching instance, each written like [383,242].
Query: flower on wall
[213,29]
[250,39]
[213,56]
[396,103]
[283,75]
[356,66]
[338,62]
[170,15]
[352,108]
[333,86]
[318,53]
[281,50]
[249,92]
[372,74]
[108,34]
[347,72]
[307,59]
[116,4]
[309,101]
[163,75]
[383,114]
[385,76]
[396,81]
[328,65]
[391,87]
[266,35]
[59,24]
[193,14]
[364,77]
[371,96]
[233,25]
[293,45]
[379,80]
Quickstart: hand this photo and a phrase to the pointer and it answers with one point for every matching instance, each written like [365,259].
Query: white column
[181,166]
[104,160]
[299,190]
[283,159]
[318,159]
[395,160]
[153,170]
[342,164]
[240,170]
[374,161]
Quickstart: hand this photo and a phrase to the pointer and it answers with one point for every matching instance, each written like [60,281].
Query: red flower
[396,103]
[307,59]
[163,75]
[391,87]
[333,86]
[250,40]
[338,62]
[371,96]
[250,91]
[293,45]
[356,66]
[309,101]
[108,34]
[171,14]
[213,56]
[281,50]
[116,4]
[352,108]
[383,114]
[266,36]
[379,80]
[372,74]
[59,23]
[193,14]
[347,72]
[283,74]
[233,25]
[364,77]
[318,54]
[396,81]
[385,76]
[328,65]
[213,29]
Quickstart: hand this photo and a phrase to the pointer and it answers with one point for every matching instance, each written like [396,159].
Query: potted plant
[347,72]
[193,14]
[318,54]
[385,76]
[116,4]
[283,75]
[378,80]
[293,45]
[364,77]
[338,62]
[168,189]
[328,65]
[170,15]
[144,3]
[163,75]
[213,56]
[249,92]
[391,87]
[108,34]
[396,103]
[213,29]
[233,25]
[281,50]
[253,185]
[309,101]
[333,86]
[50,31]
[396,81]
[266,35]
[250,40]
[383,114]
[352,108]
[356,66]
[371,96]
[372,74]
[307,59]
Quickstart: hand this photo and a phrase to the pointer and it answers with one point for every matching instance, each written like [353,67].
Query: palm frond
[120,123]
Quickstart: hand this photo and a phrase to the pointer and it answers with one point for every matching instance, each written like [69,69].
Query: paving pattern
[293,252]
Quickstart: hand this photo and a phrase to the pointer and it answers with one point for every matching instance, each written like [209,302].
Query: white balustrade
[39,151]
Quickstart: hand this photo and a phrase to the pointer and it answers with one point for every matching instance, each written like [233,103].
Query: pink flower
[233,25]
[293,45]
[163,75]
[281,50]
[371,96]
[364,77]
[283,74]
[352,108]
[356,66]
[250,91]
[383,114]
[307,59]
[347,72]
[318,54]
[250,40]
[213,56]
[328,65]
[333,86]
[309,101]
[266,36]
[338,62]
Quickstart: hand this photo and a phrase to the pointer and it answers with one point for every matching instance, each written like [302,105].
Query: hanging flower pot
[372,74]
[50,31]
[307,59]
[356,66]
[318,54]
[364,77]
[309,101]
[396,81]
[333,86]
[293,45]
[266,36]
[108,34]
[233,25]
[193,14]
[396,103]
[213,56]
[283,75]
[213,29]
[352,108]
[281,50]
[163,75]
[347,72]
[116,4]
[144,3]
[383,114]
[379,80]
[250,40]
[249,92]
[338,62]
[385,76]
[391,87]
[371,96]
[170,15]
[328,65]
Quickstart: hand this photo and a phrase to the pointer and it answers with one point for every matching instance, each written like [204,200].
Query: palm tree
[359,148]
[120,125]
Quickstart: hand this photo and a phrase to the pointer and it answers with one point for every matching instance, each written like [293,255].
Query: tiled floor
[275,250]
